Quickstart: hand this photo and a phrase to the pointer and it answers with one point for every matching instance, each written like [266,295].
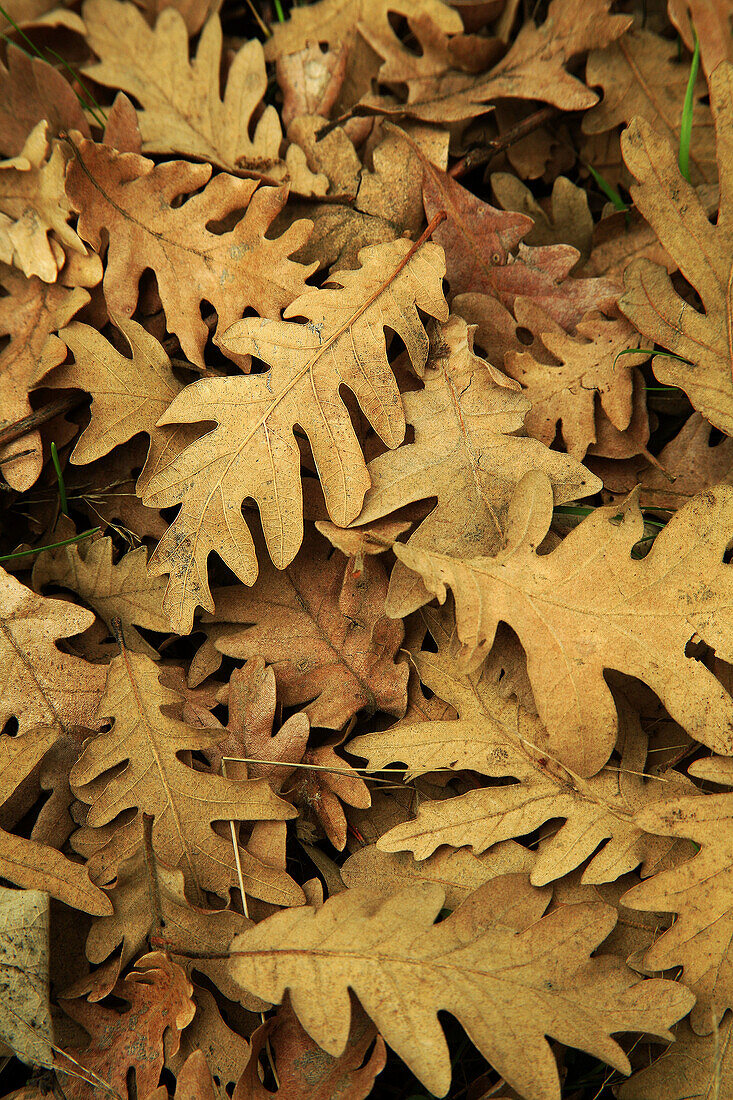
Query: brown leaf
[473,964]
[703,254]
[131,1043]
[30,314]
[154,780]
[310,80]
[182,111]
[305,1072]
[30,91]
[642,77]
[323,630]
[567,221]
[465,455]
[253,452]
[589,606]
[712,22]
[693,1068]
[130,198]
[589,364]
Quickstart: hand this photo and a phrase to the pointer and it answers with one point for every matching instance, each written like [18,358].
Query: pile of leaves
[366,613]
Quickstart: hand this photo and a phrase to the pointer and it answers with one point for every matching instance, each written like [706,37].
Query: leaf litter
[365,588]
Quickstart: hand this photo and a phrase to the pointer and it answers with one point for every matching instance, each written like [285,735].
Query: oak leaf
[702,339]
[465,455]
[30,863]
[39,684]
[305,1072]
[496,965]
[134,1042]
[253,451]
[184,803]
[324,631]
[31,90]
[589,364]
[695,1068]
[33,205]
[131,199]
[25,1021]
[698,892]
[496,737]
[642,77]
[589,605]
[182,111]
[711,20]
[31,312]
[336,22]
[121,590]
[480,241]
[567,219]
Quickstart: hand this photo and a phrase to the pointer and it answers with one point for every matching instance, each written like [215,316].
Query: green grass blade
[279,11]
[51,545]
[608,190]
[64,504]
[687,108]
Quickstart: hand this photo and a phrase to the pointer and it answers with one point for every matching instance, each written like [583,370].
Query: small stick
[485,153]
[35,419]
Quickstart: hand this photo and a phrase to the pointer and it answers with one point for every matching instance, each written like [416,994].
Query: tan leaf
[323,630]
[589,364]
[336,21]
[131,199]
[253,451]
[712,22]
[121,590]
[39,684]
[29,13]
[154,780]
[703,253]
[310,80]
[182,111]
[699,893]
[30,314]
[465,455]
[457,870]
[642,77]
[33,204]
[496,737]
[495,964]
[28,863]
[221,1052]
[567,221]
[694,1068]
[589,606]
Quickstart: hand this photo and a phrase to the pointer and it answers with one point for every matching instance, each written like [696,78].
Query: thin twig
[484,153]
[35,419]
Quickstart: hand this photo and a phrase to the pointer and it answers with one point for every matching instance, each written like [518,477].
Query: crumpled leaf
[567,221]
[703,253]
[146,744]
[591,363]
[589,606]
[31,90]
[131,199]
[466,456]
[495,964]
[33,205]
[253,451]
[182,111]
[132,1042]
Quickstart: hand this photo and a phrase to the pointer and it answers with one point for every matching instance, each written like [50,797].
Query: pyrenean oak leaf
[589,606]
